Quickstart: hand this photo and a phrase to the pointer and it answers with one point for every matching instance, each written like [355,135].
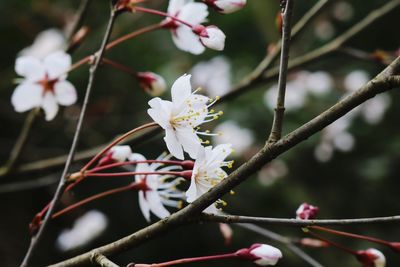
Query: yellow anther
[232,192]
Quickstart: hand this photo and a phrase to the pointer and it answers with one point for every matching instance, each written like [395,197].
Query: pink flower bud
[371,258]
[313,243]
[260,254]
[152,83]
[212,37]
[226,6]
[116,154]
[226,232]
[307,212]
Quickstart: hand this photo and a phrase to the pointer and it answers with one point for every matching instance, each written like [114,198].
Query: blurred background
[349,170]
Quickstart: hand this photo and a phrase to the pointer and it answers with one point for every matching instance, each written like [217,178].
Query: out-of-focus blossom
[226,6]
[157,191]
[371,258]
[229,131]
[272,171]
[375,108]
[85,229]
[306,212]
[213,75]
[261,254]
[313,243]
[319,83]
[343,11]
[226,232]
[116,154]
[355,79]
[208,172]
[46,42]
[152,83]
[324,29]
[44,84]
[335,136]
[181,117]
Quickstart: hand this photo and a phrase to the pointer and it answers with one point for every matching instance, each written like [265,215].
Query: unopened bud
[313,243]
[78,38]
[261,254]
[307,212]
[152,83]
[226,232]
[116,154]
[226,6]
[371,258]
[212,37]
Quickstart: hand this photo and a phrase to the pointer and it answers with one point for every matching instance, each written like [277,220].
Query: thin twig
[281,239]
[77,22]
[381,83]
[62,183]
[295,222]
[20,143]
[102,260]
[29,184]
[277,124]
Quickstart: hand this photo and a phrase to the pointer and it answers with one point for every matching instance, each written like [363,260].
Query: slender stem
[119,66]
[95,197]
[119,164]
[334,244]
[363,237]
[62,183]
[162,14]
[133,35]
[21,142]
[102,260]
[117,174]
[116,141]
[188,260]
[277,123]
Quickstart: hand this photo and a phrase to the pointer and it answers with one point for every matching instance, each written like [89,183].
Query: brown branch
[294,222]
[102,260]
[62,183]
[381,83]
[247,83]
[277,124]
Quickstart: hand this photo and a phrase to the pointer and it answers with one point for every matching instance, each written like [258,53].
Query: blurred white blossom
[373,110]
[324,29]
[355,79]
[230,131]
[213,75]
[45,43]
[84,230]
[319,83]
[343,11]
[273,171]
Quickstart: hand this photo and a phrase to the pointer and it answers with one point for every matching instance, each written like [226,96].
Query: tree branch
[62,183]
[381,83]
[102,260]
[277,124]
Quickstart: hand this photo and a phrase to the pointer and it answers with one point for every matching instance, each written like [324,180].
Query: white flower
[230,131]
[85,229]
[226,6]
[213,75]
[152,83]
[371,258]
[212,37]
[266,254]
[183,35]
[207,171]
[45,43]
[180,117]
[44,84]
[157,190]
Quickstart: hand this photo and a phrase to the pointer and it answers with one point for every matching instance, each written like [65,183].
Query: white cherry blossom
[45,43]
[44,84]
[226,6]
[207,171]
[157,191]
[265,254]
[181,116]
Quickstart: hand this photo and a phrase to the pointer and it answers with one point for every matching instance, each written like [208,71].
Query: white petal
[136,157]
[26,96]
[222,151]
[191,193]
[160,111]
[46,42]
[174,147]
[193,13]
[156,205]
[120,153]
[187,41]
[65,93]
[50,106]
[175,6]
[230,6]
[144,206]
[215,40]
[181,89]
[212,209]
[31,68]
[189,140]
[57,64]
